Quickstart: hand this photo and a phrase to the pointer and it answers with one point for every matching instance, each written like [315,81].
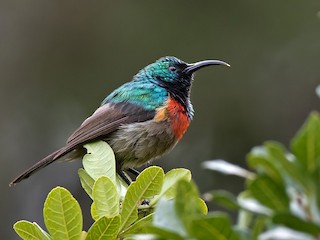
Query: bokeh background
[59,59]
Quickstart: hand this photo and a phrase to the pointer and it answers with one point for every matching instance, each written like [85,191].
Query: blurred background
[59,59]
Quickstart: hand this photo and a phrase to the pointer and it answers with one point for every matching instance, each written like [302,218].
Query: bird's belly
[137,143]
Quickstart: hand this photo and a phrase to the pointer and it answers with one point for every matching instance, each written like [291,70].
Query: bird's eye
[172,68]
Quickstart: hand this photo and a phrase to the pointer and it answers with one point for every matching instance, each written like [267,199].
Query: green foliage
[62,215]
[185,218]
[119,211]
[99,160]
[281,199]
[106,198]
[30,231]
[306,145]
[104,228]
[148,184]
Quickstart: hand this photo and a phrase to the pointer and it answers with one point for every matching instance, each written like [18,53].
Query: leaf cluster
[154,206]
[281,199]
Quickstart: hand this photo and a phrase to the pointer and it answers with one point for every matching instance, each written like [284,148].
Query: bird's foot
[124,177]
[145,202]
[135,172]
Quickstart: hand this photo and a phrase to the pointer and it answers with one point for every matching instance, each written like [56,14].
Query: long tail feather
[39,165]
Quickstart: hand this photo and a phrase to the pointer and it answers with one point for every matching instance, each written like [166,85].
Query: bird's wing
[104,121]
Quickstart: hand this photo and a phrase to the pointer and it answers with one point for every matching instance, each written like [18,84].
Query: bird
[141,120]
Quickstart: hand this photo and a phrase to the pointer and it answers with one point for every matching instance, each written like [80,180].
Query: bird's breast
[175,113]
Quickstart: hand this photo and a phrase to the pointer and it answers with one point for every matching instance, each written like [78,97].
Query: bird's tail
[39,165]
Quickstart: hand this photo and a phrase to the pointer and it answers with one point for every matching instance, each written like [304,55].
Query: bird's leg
[124,177]
[135,172]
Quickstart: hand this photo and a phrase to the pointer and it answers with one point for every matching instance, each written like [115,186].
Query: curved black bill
[191,68]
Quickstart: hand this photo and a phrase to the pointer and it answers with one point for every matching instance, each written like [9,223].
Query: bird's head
[175,76]
[171,72]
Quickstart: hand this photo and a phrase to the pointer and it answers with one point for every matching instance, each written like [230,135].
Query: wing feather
[105,120]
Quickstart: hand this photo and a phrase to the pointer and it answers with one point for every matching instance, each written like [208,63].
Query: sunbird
[141,120]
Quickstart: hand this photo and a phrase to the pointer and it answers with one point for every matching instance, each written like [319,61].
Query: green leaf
[288,167]
[106,198]
[187,201]
[30,231]
[215,226]
[62,215]
[273,160]
[99,160]
[104,229]
[175,215]
[170,183]
[296,223]
[227,168]
[86,181]
[202,206]
[147,185]
[269,193]
[306,144]
[222,198]
[94,213]
[260,159]
[166,218]
[259,226]
[138,226]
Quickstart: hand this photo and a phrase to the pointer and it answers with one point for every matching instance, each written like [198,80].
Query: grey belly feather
[137,143]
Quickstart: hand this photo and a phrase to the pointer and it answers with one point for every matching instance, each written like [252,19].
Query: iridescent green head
[174,74]
[165,69]
[171,70]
